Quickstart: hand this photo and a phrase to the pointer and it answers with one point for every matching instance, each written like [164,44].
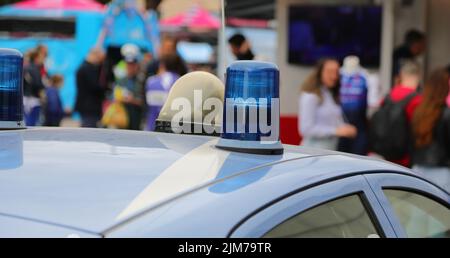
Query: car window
[420,216]
[342,218]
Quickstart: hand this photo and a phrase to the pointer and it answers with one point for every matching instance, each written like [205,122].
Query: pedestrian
[413,46]
[90,92]
[43,51]
[390,125]
[33,88]
[321,118]
[131,92]
[54,111]
[240,47]
[431,130]
[168,47]
[354,103]
[158,87]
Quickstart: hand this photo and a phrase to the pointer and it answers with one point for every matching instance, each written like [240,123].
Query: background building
[399,16]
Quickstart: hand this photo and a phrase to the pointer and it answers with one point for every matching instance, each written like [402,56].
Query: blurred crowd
[127,95]
[411,126]
[138,89]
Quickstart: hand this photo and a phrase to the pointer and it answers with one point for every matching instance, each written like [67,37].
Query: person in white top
[321,119]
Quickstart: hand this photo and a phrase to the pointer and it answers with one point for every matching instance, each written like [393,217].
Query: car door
[414,207]
[342,208]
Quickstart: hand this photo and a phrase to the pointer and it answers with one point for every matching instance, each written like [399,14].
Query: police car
[58,182]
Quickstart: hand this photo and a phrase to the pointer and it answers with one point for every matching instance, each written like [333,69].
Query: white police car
[112,183]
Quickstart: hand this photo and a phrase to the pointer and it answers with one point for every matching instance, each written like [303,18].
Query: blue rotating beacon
[11,89]
[251,113]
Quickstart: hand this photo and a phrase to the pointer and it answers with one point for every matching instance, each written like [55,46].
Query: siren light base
[251,147]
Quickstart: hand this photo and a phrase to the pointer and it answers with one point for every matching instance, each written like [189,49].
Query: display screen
[318,31]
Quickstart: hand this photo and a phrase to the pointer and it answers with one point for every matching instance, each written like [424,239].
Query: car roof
[93,179]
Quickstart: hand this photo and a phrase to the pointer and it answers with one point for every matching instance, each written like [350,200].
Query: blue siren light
[11,89]
[251,114]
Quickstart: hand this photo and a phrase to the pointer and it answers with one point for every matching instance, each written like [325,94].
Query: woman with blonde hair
[431,130]
[321,118]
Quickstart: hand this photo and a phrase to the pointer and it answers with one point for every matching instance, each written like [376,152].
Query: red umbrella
[195,18]
[75,5]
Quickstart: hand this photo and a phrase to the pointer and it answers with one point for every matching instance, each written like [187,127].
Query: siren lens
[250,88]
[11,90]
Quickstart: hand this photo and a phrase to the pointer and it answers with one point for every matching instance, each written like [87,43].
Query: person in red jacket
[410,76]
